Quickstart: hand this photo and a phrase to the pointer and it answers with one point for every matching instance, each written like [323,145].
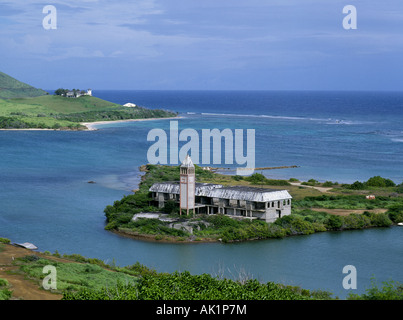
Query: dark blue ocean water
[338,136]
[46,198]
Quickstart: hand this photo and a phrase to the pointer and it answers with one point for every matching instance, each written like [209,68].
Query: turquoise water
[46,198]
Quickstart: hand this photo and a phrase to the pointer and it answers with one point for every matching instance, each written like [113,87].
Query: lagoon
[46,198]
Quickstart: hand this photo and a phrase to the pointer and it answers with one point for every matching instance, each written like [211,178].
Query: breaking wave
[330,121]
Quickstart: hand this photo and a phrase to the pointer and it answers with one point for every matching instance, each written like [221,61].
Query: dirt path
[23,289]
[321,189]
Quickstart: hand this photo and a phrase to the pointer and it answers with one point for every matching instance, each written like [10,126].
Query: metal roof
[219,191]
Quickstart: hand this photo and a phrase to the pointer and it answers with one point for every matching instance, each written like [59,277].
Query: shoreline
[164,239]
[180,240]
[91,125]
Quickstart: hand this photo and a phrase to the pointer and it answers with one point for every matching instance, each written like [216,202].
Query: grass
[49,104]
[74,276]
[56,112]
[12,88]
[5,293]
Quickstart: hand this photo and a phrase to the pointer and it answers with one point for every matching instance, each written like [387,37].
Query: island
[155,210]
[25,107]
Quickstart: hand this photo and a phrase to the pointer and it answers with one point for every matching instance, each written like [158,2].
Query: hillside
[12,88]
[25,107]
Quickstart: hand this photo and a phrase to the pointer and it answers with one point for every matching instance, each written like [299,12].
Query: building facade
[206,198]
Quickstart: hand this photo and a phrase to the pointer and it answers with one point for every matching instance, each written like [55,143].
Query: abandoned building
[254,203]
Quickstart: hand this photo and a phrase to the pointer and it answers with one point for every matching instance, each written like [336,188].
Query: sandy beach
[92,125]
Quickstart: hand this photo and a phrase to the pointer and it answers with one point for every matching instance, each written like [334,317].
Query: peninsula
[156,212]
[25,107]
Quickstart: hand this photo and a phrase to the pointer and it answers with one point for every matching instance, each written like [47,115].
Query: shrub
[275,231]
[355,221]
[357,185]
[295,225]
[171,206]
[399,188]
[256,178]
[237,178]
[395,213]
[378,181]
[5,293]
[4,240]
[327,184]
[391,290]
[381,220]
[334,222]
[184,286]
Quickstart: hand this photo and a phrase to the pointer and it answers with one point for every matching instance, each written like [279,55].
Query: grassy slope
[49,110]
[23,106]
[12,88]
[47,105]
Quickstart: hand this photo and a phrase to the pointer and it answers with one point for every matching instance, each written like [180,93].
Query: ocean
[330,136]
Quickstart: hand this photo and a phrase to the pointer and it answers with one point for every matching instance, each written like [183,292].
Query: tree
[61,92]
[378,181]
[357,186]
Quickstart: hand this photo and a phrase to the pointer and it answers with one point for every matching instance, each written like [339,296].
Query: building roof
[232,193]
[187,162]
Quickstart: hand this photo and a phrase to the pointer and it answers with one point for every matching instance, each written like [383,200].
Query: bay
[46,198]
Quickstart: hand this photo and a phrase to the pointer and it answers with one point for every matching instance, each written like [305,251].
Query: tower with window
[187,185]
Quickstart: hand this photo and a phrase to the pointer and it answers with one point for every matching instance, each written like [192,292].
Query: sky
[203,45]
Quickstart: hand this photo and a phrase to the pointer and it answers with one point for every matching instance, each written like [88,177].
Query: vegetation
[352,202]
[184,286]
[390,290]
[23,107]
[56,112]
[12,88]
[73,276]
[4,240]
[306,217]
[81,278]
[260,179]
[5,293]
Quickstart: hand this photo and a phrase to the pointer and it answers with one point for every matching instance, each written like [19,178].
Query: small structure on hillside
[27,245]
[130,105]
[77,93]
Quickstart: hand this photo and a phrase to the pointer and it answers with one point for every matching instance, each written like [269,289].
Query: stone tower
[187,185]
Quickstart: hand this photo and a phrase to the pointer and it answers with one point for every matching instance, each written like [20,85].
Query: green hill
[12,88]
[25,107]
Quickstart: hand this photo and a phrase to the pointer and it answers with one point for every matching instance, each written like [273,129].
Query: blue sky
[188,44]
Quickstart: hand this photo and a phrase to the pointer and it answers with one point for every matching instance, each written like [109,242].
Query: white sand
[92,125]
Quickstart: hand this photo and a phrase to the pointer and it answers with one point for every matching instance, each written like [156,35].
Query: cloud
[204,38]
